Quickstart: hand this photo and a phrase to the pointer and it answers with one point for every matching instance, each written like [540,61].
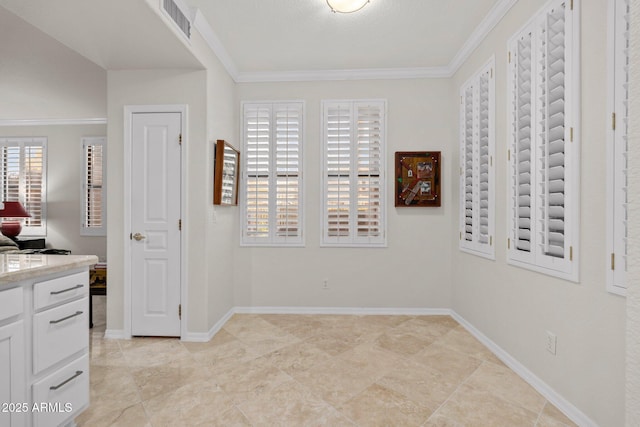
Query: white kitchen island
[44,339]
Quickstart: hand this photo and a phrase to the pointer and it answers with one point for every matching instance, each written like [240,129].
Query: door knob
[139,237]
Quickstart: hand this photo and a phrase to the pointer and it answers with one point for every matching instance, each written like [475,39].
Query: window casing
[477,171]
[272,208]
[543,107]
[94,191]
[353,164]
[23,168]
[617,125]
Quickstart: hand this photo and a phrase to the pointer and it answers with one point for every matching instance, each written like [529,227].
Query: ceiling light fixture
[346,6]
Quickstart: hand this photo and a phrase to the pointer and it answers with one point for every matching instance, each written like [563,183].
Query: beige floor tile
[291,404]
[460,340]
[132,416]
[334,343]
[155,353]
[301,326]
[402,342]
[112,389]
[379,406]
[222,337]
[471,407]
[193,404]
[506,384]
[161,379]
[426,386]
[251,379]
[455,364]
[231,418]
[426,327]
[440,421]
[552,417]
[224,357]
[297,357]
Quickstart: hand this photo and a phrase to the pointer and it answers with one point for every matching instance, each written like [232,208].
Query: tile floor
[304,370]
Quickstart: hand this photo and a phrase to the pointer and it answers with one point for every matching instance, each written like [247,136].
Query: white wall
[414,270]
[515,307]
[209,95]
[43,79]
[64,178]
[633,275]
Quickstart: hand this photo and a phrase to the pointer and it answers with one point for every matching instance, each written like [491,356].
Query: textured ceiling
[293,35]
[264,36]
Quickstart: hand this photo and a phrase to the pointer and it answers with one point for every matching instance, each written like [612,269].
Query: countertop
[17,267]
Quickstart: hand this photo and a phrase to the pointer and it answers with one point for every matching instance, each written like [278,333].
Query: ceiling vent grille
[176,14]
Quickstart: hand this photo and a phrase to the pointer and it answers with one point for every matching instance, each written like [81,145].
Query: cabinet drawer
[11,303]
[62,395]
[59,333]
[59,290]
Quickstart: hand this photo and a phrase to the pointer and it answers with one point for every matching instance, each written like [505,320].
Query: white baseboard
[358,311]
[116,334]
[206,336]
[566,407]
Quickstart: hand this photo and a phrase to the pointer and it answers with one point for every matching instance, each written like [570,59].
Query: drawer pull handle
[67,290]
[76,375]
[77,313]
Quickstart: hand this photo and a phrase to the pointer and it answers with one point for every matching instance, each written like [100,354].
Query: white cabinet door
[13,376]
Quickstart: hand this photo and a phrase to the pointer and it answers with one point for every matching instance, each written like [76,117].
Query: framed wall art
[417,178]
[226,173]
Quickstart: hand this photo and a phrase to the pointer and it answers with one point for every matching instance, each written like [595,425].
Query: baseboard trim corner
[116,334]
[207,336]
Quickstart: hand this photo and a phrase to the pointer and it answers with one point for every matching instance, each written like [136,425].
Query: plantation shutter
[288,121]
[94,195]
[338,169]
[543,86]
[24,179]
[617,164]
[272,208]
[354,191]
[522,184]
[257,125]
[476,163]
[369,168]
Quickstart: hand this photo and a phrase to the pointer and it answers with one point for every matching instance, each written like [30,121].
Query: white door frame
[129,111]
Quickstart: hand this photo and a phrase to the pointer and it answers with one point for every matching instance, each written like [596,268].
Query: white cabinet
[44,340]
[13,375]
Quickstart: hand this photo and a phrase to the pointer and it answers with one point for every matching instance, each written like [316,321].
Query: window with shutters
[23,166]
[272,174]
[477,175]
[543,89]
[94,196]
[354,190]
[618,105]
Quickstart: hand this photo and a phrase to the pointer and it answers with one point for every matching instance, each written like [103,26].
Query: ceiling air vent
[176,14]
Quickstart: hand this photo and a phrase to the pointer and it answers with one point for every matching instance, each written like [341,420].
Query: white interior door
[155,231]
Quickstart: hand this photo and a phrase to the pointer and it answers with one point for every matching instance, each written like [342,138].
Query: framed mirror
[226,173]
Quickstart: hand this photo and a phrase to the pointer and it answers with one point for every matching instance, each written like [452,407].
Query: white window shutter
[272,174]
[94,187]
[24,176]
[617,125]
[544,155]
[477,142]
[353,177]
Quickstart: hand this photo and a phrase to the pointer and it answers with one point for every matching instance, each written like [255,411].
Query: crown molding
[495,15]
[52,122]
[332,75]
[201,24]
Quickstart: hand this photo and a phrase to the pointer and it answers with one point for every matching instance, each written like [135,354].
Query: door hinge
[180,139]
[492,73]
[571,4]
[490,240]
[509,155]
[508,243]
[570,253]
[571,134]
[461,235]
[613,121]
[180,311]
[130,236]
[509,57]
[180,224]
[613,261]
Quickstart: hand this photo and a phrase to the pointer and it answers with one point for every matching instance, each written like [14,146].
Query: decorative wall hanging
[417,178]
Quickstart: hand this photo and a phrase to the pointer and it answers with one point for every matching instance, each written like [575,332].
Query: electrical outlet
[325,284]
[552,340]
